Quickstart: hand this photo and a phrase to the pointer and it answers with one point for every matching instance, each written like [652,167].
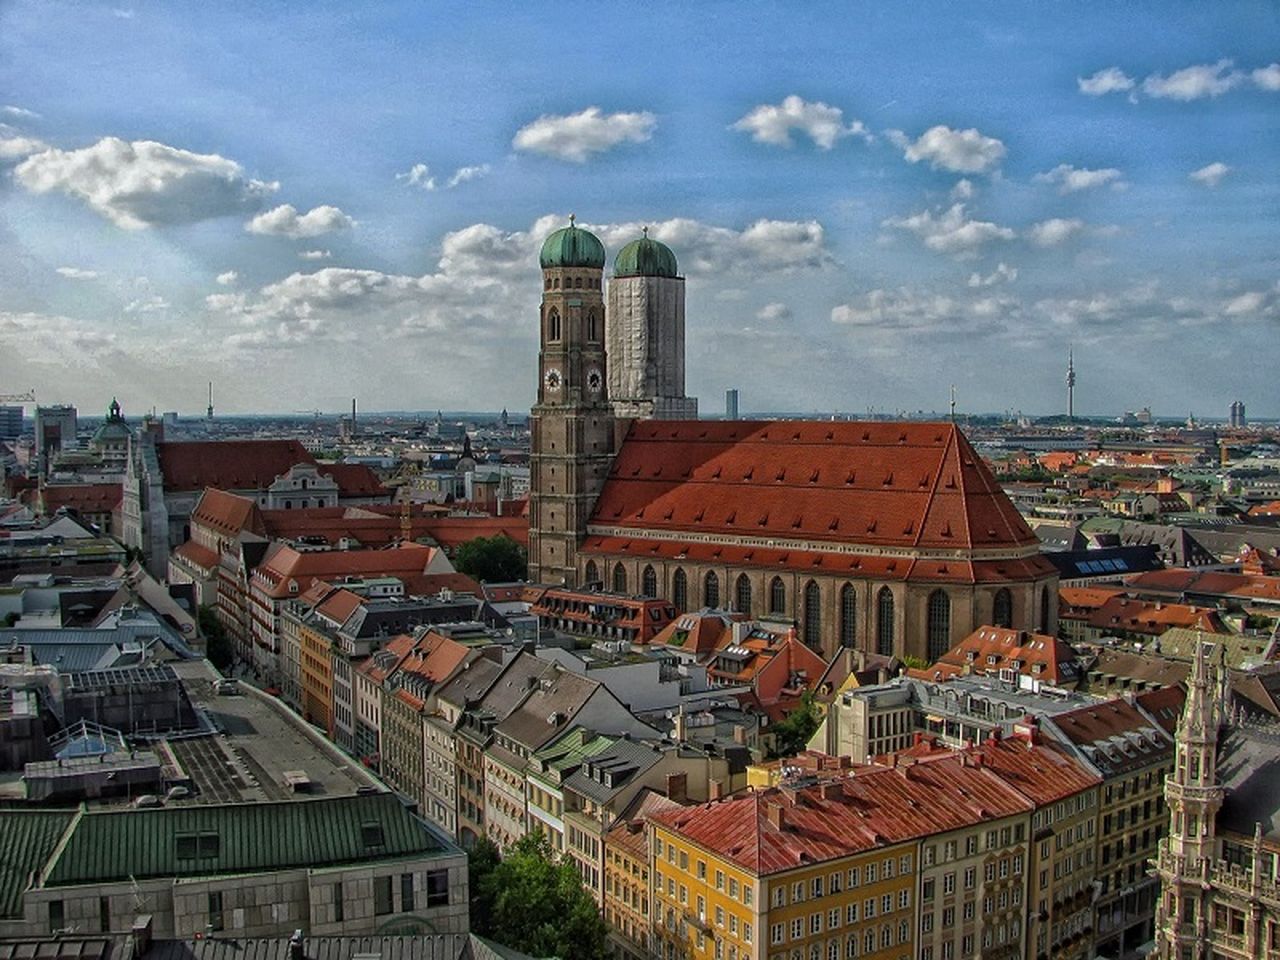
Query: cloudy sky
[871,202]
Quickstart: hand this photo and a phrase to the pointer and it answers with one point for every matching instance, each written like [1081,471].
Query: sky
[871,202]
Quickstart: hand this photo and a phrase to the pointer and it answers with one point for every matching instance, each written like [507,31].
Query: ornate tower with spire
[572,424]
[1194,797]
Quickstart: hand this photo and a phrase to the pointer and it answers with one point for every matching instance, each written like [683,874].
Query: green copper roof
[28,839]
[572,246]
[645,258]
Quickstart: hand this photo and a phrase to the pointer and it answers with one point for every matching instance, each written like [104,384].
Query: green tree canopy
[492,559]
[791,734]
[534,901]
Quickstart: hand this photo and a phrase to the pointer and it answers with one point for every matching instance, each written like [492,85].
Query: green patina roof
[572,246]
[645,258]
[256,837]
[566,754]
[28,839]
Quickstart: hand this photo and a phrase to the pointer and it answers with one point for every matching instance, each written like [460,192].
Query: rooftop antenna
[1071,385]
[953,403]
[209,412]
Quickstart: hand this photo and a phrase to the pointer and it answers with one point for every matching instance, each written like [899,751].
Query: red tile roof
[879,484]
[354,479]
[227,464]
[284,564]
[227,514]
[698,633]
[1181,580]
[1139,616]
[990,649]
[82,497]
[197,555]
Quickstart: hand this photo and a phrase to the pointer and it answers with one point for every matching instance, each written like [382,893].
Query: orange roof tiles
[1084,600]
[1139,616]
[879,484]
[354,479]
[285,564]
[82,497]
[197,555]
[227,513]
[1180,581]
[996,648]
[228,464]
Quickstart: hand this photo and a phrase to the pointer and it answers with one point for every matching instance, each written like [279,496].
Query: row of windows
[555,330]
[839,881]
[855,945]
[572,283]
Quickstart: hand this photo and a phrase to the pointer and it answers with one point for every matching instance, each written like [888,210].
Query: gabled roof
[1114,735]
[1121,614]
[991,649]
[227,514]
[906,485]
[28,838]
[227,464]
[285,565]
[549,708]
[698,634]
[354,479]
[82,497]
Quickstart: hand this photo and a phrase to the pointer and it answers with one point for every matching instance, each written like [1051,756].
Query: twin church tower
[598,367]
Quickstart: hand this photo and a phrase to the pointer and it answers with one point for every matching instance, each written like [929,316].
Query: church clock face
[594,381]
[553,380]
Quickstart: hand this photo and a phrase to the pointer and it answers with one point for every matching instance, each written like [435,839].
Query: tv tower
[209,412]
[1071,385]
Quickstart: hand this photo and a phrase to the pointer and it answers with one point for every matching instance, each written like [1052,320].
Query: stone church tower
[644,333]
[572,423]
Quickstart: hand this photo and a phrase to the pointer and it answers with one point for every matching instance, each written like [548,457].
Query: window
[593,327]
[702,869]
[733,888]
[680,590]
[777,933]
[939,626]
[382,896]
[719,916]
[619,579]
[649,582]
[711,590]
[339,910]
[553,325]
[904,899]
[437,888]
[57,916]
[833,918]
[742,594]
[719,879]
[797,928]
[926,890]
[746,932]
[591,573]
[853,876]
[848,615]
[1044,609]
[948,884]
[815,923]
[812,614]
[884,622]
[216,921]
[777,596]
[1002,608]
[815,887]
[406,893]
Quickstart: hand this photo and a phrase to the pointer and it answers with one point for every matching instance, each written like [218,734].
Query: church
[887,537]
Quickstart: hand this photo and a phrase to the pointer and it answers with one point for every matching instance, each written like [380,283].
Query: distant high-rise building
[55,431]
[10,423]
[1071,385]
[1237,415]
[731,404]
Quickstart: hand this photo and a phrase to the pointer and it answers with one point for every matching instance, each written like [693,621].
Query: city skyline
[309,205]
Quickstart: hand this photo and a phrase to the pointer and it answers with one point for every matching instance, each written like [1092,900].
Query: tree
[535,901]
[217,644]
[492,559]
[792,733]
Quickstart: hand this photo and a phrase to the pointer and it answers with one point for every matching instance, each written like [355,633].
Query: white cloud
[466,174]
[1193,83]
[10,110]
[1108,80]
[1245,303]
[76,273]
[1051,233]
[959,151]
[1070,179]
[892,316]
[1002,274]
[821,123]
[774,313]
[144,183]
[1210,175]
[1268,77]
[57,340]
[315,255]
[151,304]
[285,221]
[123,13]
[951,232]
[577,136]
[419,175]
[16,147]
[963,190]
[228,278]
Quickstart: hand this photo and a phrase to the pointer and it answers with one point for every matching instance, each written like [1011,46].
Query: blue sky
[870,201]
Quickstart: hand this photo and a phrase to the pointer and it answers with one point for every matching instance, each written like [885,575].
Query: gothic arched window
[848,615]
[593,327]
[577,283]
[649,582]
[592,573]
[884,622]
[680,590]
[1002,608]
[742,594]
[619,579]
[812,614]
[777,596]
[711,590]
[939,625]
[553,325]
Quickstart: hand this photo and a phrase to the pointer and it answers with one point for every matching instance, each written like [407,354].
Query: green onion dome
[572,246]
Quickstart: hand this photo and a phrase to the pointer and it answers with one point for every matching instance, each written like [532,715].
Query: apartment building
[626,875]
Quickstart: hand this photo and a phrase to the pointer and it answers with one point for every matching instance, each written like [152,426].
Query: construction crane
[28,397]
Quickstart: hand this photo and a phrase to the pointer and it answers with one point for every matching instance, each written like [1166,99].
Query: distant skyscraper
[10,423]
[55,431]
[731,404]
[1237,415]
[1071,385]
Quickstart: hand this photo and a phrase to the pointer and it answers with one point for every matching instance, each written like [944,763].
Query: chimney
[678,787]
[296,950]
[739,733]
[715,789]
[680,728]
[832,790]
[140,934]
[777,816]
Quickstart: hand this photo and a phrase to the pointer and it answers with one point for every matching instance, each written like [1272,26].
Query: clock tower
[571,426]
